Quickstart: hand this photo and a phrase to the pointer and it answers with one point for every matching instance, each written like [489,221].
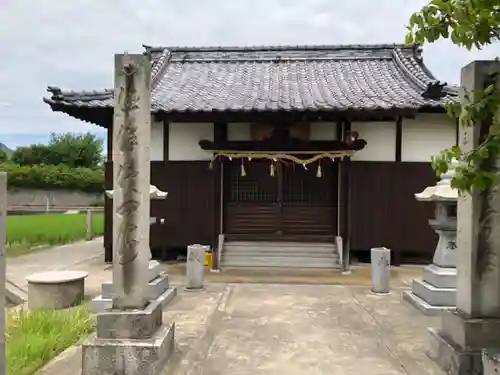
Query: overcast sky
[71,43]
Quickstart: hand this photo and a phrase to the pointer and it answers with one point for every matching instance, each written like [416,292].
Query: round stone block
[56,289]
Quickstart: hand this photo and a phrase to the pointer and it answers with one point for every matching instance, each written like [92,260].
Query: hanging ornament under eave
[243,172]
[271,169]
[319,172]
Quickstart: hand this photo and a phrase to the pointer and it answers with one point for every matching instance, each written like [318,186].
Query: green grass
[26,233]
[33,338]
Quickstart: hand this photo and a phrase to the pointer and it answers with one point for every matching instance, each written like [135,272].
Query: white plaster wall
[426,135]
[380,138]
[183,141]
[323,131]
[318,131]
[238,131]
[156,146]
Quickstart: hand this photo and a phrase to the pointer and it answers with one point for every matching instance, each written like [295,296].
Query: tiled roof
[302,78]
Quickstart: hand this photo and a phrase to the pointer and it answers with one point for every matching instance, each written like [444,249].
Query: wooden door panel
[294,202]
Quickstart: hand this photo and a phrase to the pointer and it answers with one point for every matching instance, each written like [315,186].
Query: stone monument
[475,324]
[157,281]
[131,336]
[437,289]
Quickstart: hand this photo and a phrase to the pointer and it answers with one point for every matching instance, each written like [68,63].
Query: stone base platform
[157,287]
[454,360]
[491,362]
[101,304]
[436,292]
[457,347]
[129,342]
[424,307]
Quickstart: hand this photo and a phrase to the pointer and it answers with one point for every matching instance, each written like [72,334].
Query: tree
[76,150]
[31,155]
[469,24]
[3,156]
[72,150]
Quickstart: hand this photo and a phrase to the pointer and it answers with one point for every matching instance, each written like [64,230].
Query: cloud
[71,43]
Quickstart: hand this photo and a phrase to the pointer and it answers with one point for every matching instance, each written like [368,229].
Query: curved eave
[101,116]
[413,67]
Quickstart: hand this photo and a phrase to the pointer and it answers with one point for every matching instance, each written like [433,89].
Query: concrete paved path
[87,256]
[271,329]
[267,329]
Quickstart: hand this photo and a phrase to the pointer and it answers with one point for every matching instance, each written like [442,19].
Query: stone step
[272,254]
[277,244]
[100,304]
[279,250]
[432,295]
[276,262]
[280,268]
[154,269]
[423,306]
[153,289]
[440,277]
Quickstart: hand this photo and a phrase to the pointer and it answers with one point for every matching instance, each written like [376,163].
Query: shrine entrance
[286,202]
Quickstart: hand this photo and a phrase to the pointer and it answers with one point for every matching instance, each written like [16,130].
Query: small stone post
[475,324]
[381,270]
[3,219]
[88,225]
[195,270]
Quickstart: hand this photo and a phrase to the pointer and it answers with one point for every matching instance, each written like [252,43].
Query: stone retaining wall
[18,198]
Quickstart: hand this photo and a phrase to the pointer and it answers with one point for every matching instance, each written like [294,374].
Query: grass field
[25,232]
[34,338]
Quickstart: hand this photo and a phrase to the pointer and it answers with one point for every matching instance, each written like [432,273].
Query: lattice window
[257,186]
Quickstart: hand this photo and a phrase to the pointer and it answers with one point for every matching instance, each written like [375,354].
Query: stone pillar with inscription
[157,280]
[131,336]
[475,323]
[436,291]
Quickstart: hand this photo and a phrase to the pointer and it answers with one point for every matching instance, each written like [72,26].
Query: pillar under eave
[343,240]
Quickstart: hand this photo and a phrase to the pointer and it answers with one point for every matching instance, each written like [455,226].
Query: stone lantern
[436,291]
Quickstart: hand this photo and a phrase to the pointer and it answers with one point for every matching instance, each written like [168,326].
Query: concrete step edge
[433,288]
[279,244]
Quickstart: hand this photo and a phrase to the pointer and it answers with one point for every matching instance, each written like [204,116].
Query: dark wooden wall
[384,211]
[188,210]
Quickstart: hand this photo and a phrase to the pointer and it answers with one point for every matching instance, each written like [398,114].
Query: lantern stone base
[436,292]
[129,342]
[458,347]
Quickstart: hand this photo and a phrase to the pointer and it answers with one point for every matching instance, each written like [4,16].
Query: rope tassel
[319,172]
[271,170]
[243,172]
